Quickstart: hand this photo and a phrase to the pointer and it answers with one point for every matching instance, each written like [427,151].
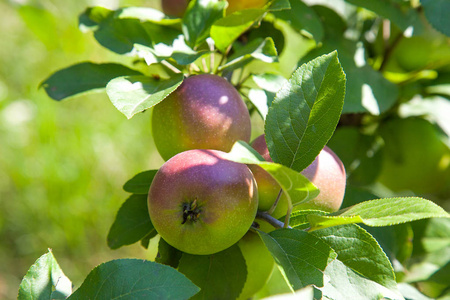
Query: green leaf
[220,276]
[134,94]
[178,51]
[269,82]
[135,279]
[132,223]
[302,256]
[358,250]
[259,49]
[303,18]
[82,78]
[146,14]
[140,183]
[347,284]
[436,12]
[277,5]
[403,16]
[113,33]
[91,18]
[396,242]
[305,112]
[410,292]
[299,218]
[381,212]
[226,30]
[296,186]
[167,254]
[42,23]
[198,19]
[263,97]
[45,280]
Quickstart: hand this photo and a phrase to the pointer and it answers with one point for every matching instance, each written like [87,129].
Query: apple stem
[271,220]
[274,206]
[170,66]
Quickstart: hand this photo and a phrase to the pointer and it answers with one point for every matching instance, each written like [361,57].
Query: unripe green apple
[259,263]
[235,5]
[415,157]
[174,8]
[326,172]
[204,112]
[201,203]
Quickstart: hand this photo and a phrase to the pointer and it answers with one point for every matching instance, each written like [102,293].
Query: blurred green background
[62,165]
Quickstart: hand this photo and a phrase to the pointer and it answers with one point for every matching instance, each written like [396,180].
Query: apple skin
[415,157]
[174,8]
[327,172]
[201,203]
[235,5]
[259,263]
[204,112]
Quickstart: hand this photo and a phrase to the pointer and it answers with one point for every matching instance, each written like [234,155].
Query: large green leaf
[225,31]
[132,223]
[140,183]
[135,279]
[358,250]
[295,186]
[259,49]
[305,112]
[381,212]
[436,12]
[198,19]
[220,276]
[45,280]
[302,256]
[134,94]
[81,78]
[346,284]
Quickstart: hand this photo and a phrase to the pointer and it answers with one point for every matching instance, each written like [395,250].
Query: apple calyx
[191,212]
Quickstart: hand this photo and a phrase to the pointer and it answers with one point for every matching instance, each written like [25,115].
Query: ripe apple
[415,157]
[326,172]
[259,263]
[174,8]
[204,112]
[235,5]
[201,203]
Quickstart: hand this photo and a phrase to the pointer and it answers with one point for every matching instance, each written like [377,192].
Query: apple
[174,8]
[415,157]
[259,263]
[201,203]
[204,112]
[235,5]
[327,172]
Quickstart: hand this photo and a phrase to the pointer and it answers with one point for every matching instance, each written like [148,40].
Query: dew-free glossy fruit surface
[201,203]
[204,112]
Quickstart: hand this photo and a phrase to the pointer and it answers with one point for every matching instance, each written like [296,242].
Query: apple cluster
[200,202]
